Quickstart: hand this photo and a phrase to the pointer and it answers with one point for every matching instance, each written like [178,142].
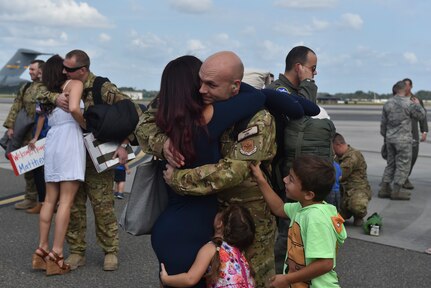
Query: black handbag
[147,200]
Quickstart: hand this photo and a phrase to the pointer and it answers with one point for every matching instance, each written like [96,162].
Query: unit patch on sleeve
[248,147]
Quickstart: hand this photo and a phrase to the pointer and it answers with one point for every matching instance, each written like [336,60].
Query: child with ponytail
[221,261]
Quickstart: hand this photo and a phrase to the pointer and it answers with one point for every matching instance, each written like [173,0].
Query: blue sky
[361,45]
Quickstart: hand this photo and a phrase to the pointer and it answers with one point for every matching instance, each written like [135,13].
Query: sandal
[53,267]
[38,261]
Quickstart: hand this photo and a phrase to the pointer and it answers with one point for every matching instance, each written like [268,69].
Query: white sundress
[64,148]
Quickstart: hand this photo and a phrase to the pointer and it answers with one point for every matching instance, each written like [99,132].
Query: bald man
[249,141]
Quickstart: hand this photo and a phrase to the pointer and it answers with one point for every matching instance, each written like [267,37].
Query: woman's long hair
[180,104]
[238,231]
[53,78]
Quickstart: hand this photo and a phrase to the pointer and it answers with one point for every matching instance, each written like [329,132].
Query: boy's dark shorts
[119,175]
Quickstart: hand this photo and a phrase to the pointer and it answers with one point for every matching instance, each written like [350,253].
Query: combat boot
[25,204]
[385,190]
[75,261]
[408,185]
[111,262]
[399,194]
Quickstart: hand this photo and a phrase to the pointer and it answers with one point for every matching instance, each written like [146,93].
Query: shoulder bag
[147,200]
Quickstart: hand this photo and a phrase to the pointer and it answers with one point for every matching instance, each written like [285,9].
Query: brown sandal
[53,267]
[38,261]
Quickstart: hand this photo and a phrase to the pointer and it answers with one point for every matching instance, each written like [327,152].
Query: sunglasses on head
[72,69]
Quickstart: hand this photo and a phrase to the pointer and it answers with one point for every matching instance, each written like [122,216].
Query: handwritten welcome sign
[25,159]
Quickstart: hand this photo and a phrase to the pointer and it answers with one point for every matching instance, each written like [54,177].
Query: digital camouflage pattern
[232,176]
[398,162]
[396,123]
[356,192]
[396,128]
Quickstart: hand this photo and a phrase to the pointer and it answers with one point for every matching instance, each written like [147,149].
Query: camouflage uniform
[356,192]
[232,176]
[423,125]
[97,187]
[396,127]
[27,101]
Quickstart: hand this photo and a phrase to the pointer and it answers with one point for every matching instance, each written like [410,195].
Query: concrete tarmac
[393,259]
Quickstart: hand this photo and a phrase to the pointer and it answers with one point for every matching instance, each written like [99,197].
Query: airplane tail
[19,62]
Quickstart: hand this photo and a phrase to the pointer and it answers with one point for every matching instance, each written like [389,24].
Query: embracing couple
[209,127]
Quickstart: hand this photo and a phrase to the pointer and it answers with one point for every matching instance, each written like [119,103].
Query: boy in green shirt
[316,229]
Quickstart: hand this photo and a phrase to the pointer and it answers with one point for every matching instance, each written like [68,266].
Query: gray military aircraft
[10,80]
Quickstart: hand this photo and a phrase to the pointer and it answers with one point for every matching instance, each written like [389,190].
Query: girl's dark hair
[238,231]
[53,78]
[180,104]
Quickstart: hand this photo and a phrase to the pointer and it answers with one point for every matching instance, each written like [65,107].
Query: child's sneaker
[119,195]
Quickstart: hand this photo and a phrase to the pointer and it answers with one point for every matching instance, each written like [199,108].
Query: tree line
[358,95]
[370,95]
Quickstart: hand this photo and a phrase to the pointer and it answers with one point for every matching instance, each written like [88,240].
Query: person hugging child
[316,229]
[221,261]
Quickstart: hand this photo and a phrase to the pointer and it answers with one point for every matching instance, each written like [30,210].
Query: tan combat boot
[398,194]
[385,190]
[111,262]
[75,261]
[35,210]
[25,204]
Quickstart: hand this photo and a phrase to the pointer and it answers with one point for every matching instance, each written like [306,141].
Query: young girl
[221,261]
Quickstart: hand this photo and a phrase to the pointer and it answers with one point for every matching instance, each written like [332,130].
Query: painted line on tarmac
[5,201]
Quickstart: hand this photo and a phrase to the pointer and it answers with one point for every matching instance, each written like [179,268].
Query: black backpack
[110,122]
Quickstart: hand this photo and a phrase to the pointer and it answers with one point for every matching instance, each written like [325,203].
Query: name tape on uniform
[247,133]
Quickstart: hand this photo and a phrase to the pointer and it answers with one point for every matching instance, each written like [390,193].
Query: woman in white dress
[64,165]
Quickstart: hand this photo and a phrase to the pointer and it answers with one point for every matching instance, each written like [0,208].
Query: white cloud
[195,46]
[352,20]
[222,37]
[103,37]
[150,40]
[63,36]
[320,25]
[269,50]
[296,30]
[66,13]
[410,57]
[293,30]
[223,41]
[249,30]
[191,6]
[305,4]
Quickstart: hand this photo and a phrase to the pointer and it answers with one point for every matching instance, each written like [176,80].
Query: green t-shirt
[314,233]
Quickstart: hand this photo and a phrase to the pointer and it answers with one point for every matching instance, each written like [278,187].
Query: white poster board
[24,159]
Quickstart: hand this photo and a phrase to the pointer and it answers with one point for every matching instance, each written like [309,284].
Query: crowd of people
[259,182]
